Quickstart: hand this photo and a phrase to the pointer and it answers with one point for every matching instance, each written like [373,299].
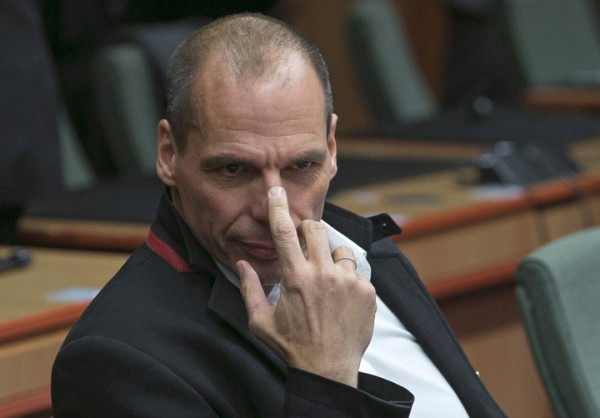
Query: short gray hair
[248,42]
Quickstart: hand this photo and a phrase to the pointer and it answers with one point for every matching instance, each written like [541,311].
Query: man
[241,303]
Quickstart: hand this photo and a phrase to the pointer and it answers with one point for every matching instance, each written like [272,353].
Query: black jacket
[168,337]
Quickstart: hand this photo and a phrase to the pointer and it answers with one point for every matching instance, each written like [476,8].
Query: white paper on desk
[498,192]
[73,294]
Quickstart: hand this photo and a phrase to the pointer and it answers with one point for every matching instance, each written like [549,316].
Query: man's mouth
[261,250]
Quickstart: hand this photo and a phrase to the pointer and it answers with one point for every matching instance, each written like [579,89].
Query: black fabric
[132,200]
[154,10]
[480,59]
[161,343]
[29,103]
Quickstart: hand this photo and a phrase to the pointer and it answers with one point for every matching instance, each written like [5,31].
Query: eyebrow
[224,160]
[220,161]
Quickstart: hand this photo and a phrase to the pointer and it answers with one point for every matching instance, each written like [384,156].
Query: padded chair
[557,42]
[128,84]
[76,170]
[390,78]
[558,291]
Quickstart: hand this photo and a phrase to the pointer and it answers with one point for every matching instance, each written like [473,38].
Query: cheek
[223,212]
[204,210]
[308,203]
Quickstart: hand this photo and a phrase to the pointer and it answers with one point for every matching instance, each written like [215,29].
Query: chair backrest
[558,291]
[129,90]
[76,170]
[128,106]
[389,75]
[556,41]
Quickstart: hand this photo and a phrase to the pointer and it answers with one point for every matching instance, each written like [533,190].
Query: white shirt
[393,354]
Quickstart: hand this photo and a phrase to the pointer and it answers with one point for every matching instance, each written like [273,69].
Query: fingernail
[276,191]
[240,269]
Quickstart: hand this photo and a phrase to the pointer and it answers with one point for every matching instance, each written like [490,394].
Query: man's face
[249,136]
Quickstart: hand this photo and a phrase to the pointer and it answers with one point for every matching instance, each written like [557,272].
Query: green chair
[558,291]
[390,78]
[129,92]
[127,103]
[76,170]
[557,42]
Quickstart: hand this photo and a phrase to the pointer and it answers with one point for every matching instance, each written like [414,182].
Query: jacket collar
[175,232]
[363,231]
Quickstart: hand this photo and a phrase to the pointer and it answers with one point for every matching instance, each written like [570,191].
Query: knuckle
[284,230]
[344,250]
[366,289]
[255,324]
[316,226]
[300,276]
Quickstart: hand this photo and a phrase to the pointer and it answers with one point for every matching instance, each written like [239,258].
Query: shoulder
[144,292]
[113,377]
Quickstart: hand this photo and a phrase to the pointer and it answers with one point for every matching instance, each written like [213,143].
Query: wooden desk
[32,326]
[564,99]
[464,244]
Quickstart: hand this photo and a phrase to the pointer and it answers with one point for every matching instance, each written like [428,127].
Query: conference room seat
[557,43]
[557,288]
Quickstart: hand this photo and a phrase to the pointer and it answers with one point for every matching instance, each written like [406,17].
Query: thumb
[252,292]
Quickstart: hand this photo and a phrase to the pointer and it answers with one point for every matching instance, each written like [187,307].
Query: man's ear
[166,154]
[332,146]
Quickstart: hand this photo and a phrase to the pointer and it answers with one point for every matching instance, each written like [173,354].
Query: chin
[268,275]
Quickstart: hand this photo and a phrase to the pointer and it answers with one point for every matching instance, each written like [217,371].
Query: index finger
[283,230]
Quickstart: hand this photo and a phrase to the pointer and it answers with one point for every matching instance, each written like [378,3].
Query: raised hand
[323,322]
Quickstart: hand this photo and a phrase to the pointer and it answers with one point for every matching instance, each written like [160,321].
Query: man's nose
[259,202]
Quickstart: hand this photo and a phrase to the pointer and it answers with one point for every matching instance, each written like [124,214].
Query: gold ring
[347,258]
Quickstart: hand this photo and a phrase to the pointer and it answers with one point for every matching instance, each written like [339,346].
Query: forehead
[285,103]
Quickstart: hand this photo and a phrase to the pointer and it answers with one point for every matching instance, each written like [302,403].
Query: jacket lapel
[399,287]
[226,302]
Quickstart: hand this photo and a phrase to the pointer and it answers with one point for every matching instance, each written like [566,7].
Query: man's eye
[232,169]
[304,165]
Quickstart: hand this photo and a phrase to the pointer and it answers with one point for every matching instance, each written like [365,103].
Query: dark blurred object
[9,215]
[481,61]
[163,10]
[18,258]
[522,164]
[29,150]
